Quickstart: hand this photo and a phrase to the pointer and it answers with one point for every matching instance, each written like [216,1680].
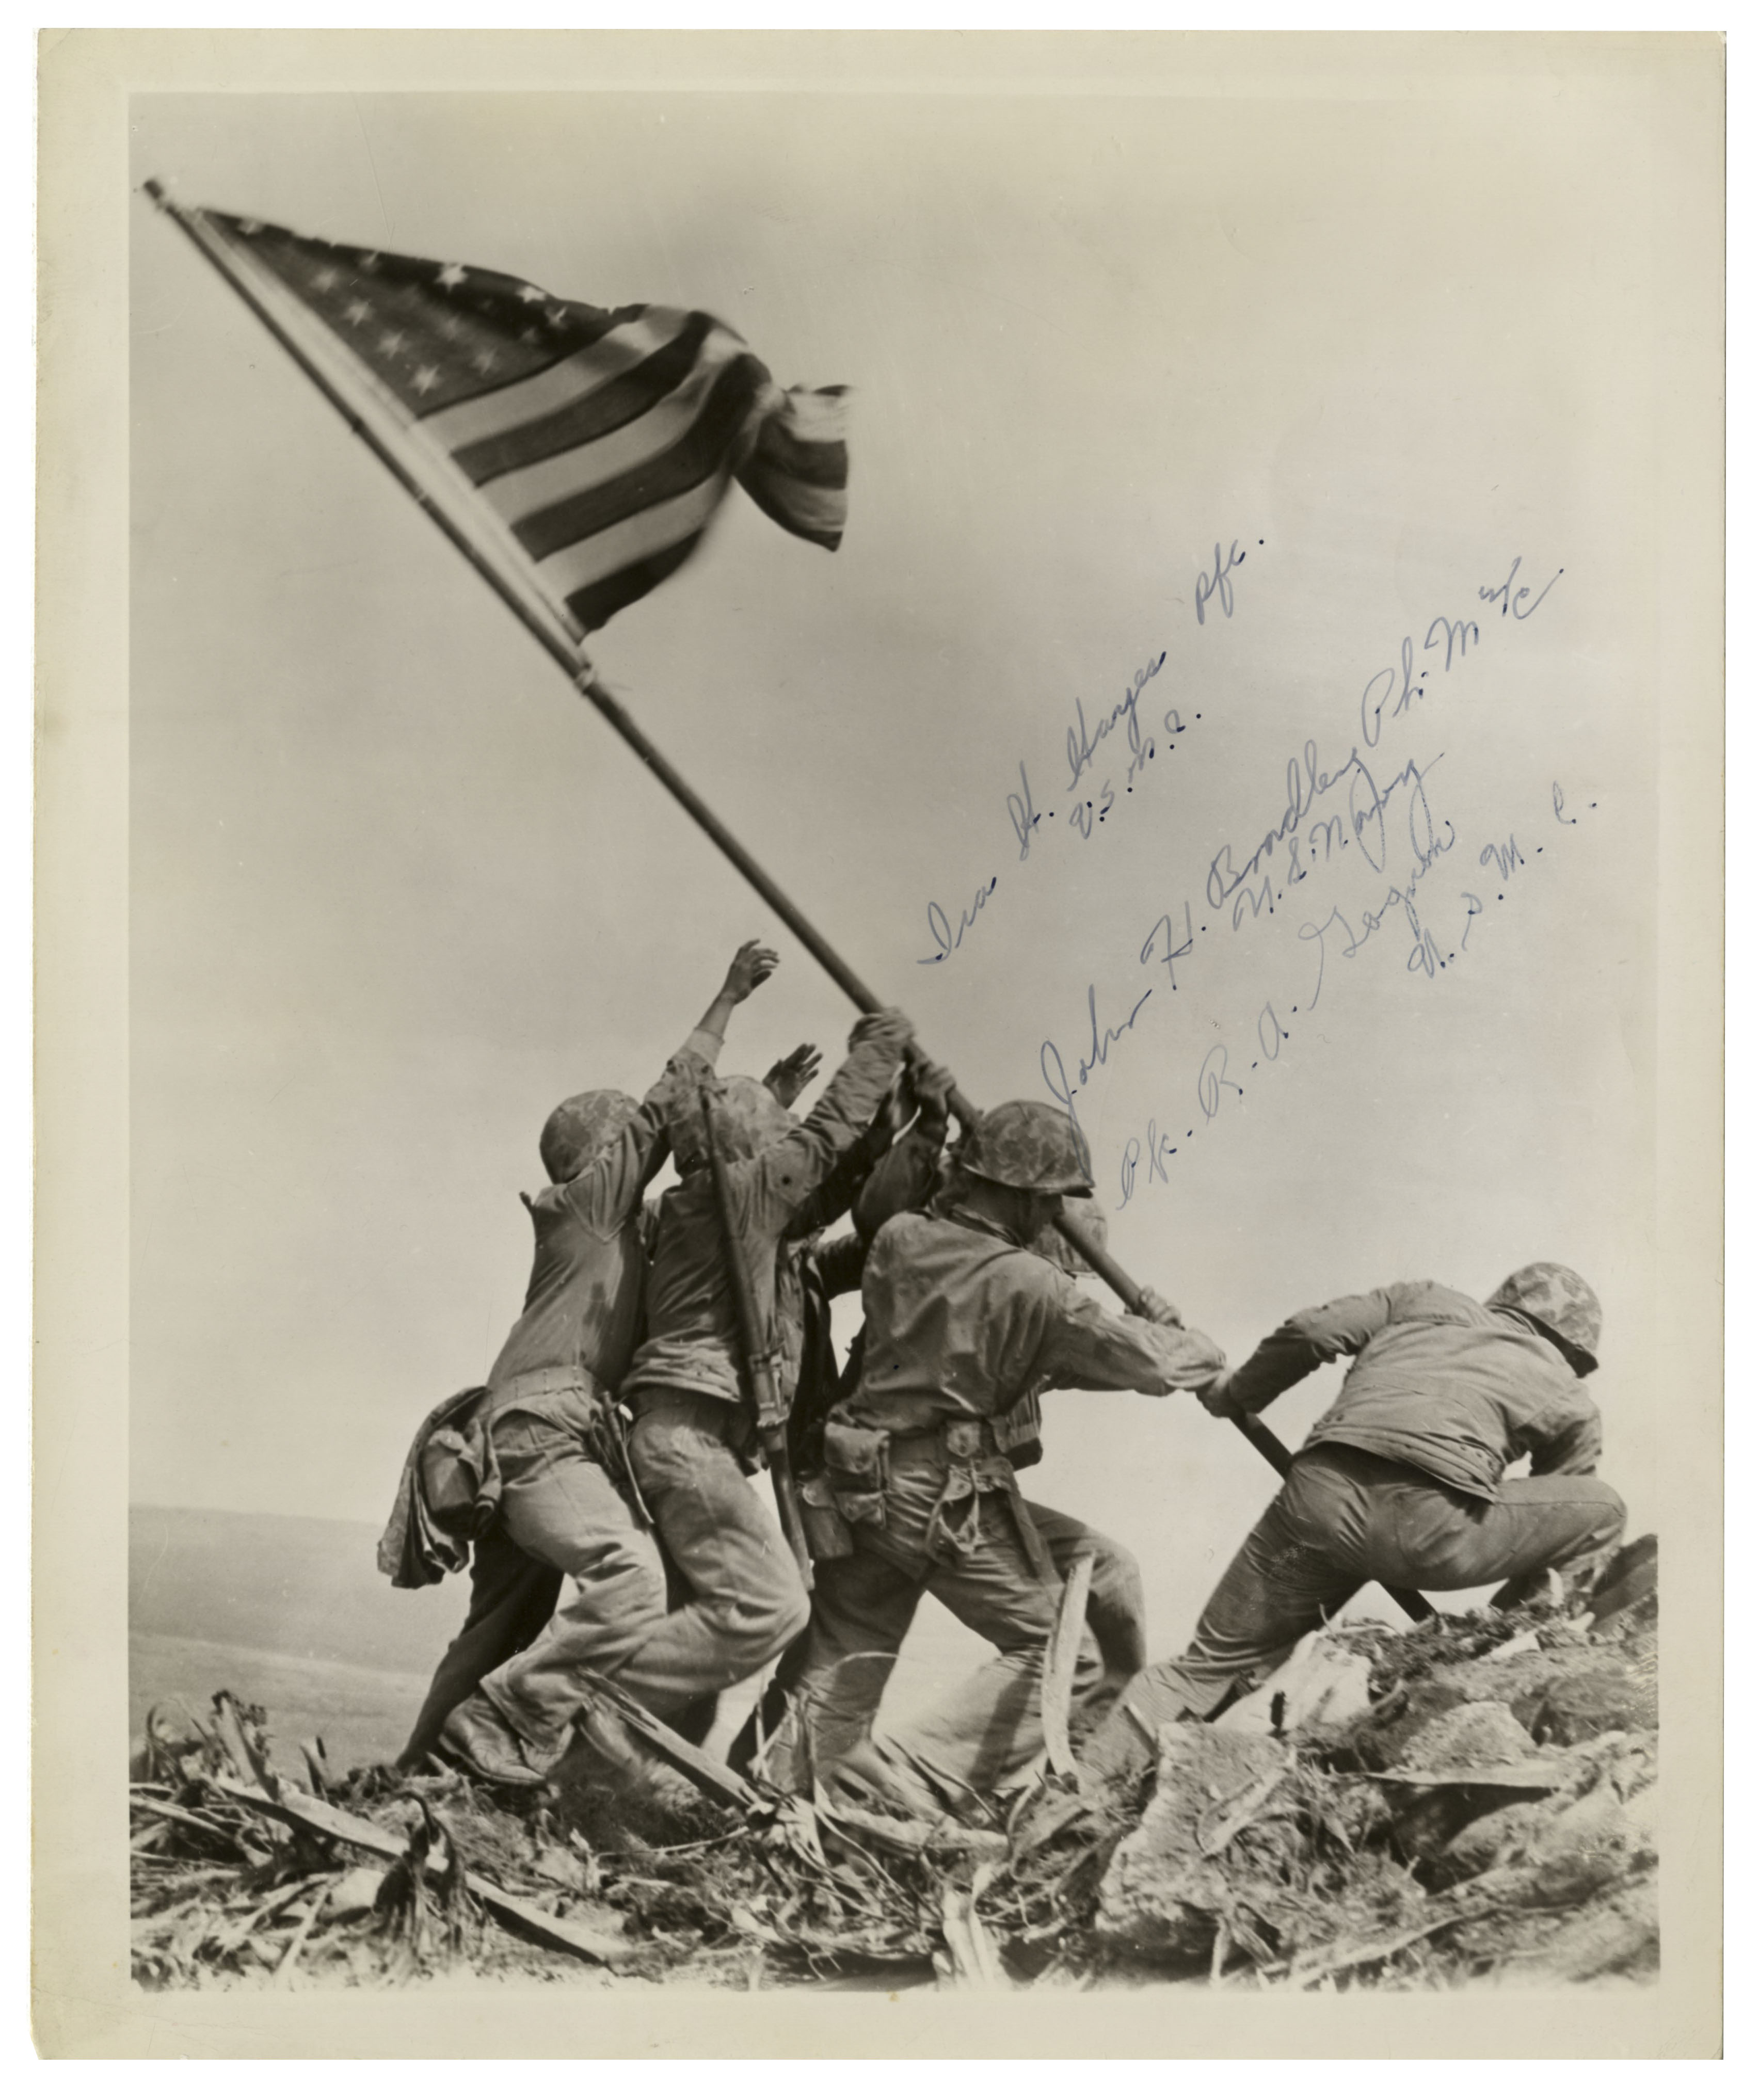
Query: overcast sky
[395,891]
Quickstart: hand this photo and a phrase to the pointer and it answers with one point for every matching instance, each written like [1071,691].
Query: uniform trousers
[512,1598]
[843,1651]
[560,1511]
[986,1727]
[1346,1517]
[743,1598]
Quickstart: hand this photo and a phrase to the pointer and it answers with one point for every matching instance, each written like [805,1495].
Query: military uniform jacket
[1440,1382]
[961,1321]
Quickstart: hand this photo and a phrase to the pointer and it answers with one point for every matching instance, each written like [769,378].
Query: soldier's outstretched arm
[789,1170]
[751,965]
[1091,1346]
[1304,1341]
[611,1187]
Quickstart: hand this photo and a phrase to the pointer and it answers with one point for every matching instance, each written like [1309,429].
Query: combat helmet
[1029,1145]
[580,1128]
[748,1120]
[1557,1299]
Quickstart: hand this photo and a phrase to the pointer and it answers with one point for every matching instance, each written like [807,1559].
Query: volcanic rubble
[1469,1802]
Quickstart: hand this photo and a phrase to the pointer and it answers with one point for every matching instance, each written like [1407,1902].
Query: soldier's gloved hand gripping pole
[759,1361]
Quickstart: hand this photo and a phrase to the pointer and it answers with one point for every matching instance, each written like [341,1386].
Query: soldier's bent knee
[1611,1524]
[791,1618]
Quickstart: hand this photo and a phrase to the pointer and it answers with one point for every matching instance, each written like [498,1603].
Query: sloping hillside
[293,1586]
[1470,1801]
[289,1612]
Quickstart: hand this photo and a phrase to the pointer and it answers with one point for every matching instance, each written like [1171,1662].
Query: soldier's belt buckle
[964,1439]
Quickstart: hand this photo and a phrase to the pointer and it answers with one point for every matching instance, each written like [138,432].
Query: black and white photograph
[917,1052]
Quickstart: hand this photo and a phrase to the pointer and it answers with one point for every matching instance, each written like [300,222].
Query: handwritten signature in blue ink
[1081,742]
[1023,813]
[1428,844]
[1489,594]
[1100,1044]
[1219,581]
[943,935]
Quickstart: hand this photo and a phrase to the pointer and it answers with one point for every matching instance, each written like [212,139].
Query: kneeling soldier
[1402,1481]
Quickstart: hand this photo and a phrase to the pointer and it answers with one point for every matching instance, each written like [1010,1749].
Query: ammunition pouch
[1019,1433]
[978,1462]
[828,1534]
[856,1470]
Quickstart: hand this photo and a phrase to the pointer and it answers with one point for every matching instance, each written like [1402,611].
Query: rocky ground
[1469,1802]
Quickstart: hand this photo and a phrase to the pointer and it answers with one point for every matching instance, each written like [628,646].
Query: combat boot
[478,1740]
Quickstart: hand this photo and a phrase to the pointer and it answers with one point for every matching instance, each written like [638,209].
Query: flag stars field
[603,439]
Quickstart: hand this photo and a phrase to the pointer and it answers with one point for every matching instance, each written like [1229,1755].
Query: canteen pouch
[855,1468]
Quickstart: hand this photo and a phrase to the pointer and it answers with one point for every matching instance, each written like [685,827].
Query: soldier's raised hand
[932,1086]
[790,1077]
[748,969]
[889,1028]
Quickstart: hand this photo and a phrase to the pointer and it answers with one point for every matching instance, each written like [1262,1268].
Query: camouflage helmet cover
[1029,1145]
[1558,1299]
[1057,1250]
[748,1120]
[580,1129]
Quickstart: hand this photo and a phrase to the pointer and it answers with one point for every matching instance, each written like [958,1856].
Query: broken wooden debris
[1310,1968]
[324,1820]
[970,1961]
[719,1781]
[242,1733]
[910,1838]
[1062,1651]
[318,1767]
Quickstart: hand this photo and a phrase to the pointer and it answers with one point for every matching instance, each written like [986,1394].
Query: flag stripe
[551,481]
[818,514]
[633,539]
[600,409]
[823,462]
[592,606]
[494,410]
[701,451]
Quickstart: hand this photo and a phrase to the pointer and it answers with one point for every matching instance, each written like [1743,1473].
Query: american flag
[600,441]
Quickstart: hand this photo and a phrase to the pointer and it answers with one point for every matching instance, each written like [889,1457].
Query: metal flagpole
[566,649]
